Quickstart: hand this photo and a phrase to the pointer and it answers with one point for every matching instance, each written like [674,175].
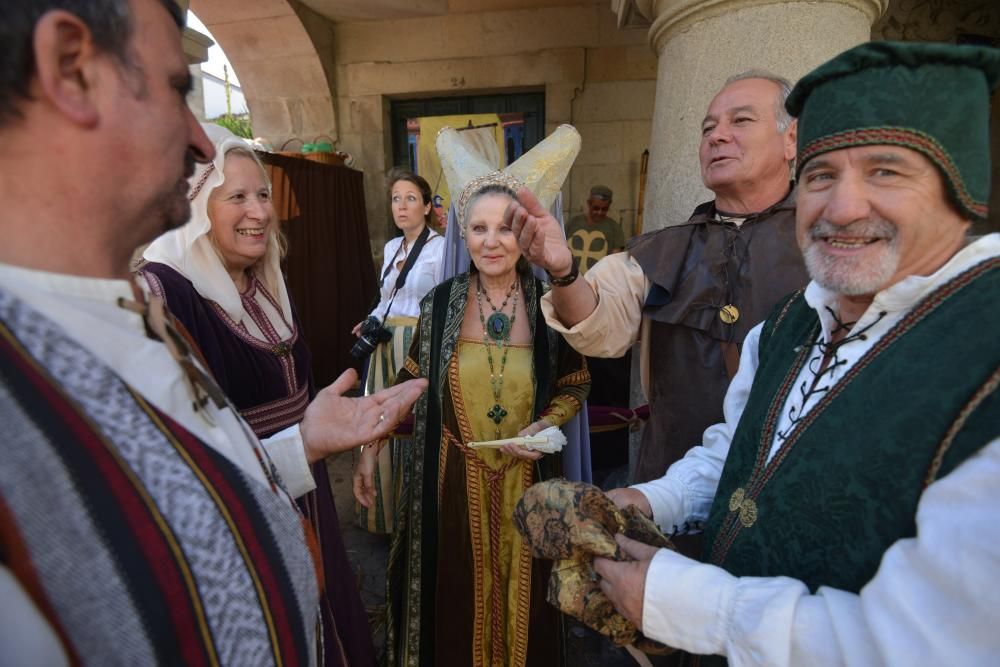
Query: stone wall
[306,76]
[594,76]
[274,47]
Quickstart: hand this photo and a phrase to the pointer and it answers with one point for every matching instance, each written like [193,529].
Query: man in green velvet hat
[849,501]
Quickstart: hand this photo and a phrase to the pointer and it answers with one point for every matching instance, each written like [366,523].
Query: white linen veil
[188,250]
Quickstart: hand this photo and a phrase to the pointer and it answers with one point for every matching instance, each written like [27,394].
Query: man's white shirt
[934,598]
[87,309]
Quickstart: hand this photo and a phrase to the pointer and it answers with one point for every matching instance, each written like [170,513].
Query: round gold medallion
[729,313]
[744,506]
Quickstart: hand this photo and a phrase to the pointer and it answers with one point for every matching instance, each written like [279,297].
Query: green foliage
[238,125]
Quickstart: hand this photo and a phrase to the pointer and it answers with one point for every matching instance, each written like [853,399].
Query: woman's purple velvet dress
[271,385]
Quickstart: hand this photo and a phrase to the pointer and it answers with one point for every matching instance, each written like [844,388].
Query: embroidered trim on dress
[573,379]
[282,349]
[412,367]
[279,413]
[474,467]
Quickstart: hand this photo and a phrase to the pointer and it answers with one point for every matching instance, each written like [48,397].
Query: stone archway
[283,57]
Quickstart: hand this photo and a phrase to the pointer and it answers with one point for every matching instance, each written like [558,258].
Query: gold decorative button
[746,507]
[736,499]
[729,313]
[748,512]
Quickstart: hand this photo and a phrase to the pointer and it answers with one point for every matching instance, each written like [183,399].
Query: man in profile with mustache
[141,521]
[850,496]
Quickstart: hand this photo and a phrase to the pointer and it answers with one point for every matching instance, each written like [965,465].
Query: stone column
[699,44]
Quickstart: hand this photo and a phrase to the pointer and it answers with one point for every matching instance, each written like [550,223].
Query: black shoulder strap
[411,259]
[418,245]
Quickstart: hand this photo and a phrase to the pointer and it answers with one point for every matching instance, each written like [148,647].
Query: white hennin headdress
[188,250]
[542,169]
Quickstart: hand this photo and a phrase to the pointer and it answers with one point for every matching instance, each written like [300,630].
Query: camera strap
[411,259]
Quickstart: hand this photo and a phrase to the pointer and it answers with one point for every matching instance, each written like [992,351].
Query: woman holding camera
[221,278]
[416,256]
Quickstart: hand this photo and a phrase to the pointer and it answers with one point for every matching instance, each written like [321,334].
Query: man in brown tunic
[695,289]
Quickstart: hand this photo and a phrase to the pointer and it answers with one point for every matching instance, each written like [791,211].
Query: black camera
[372,333]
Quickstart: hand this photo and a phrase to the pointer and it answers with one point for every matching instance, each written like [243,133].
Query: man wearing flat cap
[690,292]
[593,235]
[850,497]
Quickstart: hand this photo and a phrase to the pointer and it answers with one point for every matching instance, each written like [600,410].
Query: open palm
[335,423]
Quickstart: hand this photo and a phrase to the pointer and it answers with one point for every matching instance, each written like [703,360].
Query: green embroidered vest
[845,483]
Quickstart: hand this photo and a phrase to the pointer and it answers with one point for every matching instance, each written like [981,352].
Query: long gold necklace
[502,340]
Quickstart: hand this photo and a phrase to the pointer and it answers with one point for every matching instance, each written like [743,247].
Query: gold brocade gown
[438,612]
[484,485]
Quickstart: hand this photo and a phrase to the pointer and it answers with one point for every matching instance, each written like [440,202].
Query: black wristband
[568,279]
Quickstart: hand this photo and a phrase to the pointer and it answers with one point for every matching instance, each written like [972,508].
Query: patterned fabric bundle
[572,522]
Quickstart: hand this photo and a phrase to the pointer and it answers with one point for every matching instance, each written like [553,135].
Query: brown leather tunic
[696,269]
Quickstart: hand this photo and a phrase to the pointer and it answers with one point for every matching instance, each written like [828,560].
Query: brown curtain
[329,267]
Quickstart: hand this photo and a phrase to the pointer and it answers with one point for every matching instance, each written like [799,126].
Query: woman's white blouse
[425,274]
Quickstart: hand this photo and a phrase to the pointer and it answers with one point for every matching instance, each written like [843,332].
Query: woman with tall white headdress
[462,586]
[220,276]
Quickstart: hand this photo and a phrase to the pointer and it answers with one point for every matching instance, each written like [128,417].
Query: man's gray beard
[848,275]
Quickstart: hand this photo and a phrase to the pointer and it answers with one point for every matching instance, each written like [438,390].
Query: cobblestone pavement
[367,554]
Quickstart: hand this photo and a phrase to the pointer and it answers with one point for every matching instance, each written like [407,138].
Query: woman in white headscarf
[221,278]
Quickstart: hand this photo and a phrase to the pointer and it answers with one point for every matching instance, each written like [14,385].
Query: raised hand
[539,234]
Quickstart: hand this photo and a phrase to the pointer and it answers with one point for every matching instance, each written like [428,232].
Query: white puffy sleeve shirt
[935,598]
